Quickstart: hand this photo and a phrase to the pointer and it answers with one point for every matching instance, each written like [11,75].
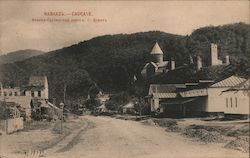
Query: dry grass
[214,132]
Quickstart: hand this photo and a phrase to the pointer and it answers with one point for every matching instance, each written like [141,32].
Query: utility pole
[61,106]
[64,92]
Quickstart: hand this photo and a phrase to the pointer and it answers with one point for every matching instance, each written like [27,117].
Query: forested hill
[233,40]
[111,61]
[19,55]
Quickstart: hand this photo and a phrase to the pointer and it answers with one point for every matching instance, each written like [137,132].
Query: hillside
[19,56]
[111,61]
[232,40]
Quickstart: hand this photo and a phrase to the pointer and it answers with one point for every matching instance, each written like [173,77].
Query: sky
[21,25]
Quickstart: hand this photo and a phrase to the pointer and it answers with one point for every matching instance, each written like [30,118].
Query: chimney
[214,54]
[199,63]
[172,66]
[227,62]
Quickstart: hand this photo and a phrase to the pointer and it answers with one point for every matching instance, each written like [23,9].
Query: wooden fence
[11,125]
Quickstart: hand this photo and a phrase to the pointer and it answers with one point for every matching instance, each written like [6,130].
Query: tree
[141,107]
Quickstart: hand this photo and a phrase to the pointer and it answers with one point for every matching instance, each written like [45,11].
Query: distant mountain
[111,61]
[19,55]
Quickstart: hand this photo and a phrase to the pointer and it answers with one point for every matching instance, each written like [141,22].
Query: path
[113,138]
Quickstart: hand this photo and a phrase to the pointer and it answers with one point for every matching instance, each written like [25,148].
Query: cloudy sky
[18,31]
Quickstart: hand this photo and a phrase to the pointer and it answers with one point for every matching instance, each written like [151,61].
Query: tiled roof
[156,49]
[161,88]
[164,95]
[228,82]
[245,85]
[194,93]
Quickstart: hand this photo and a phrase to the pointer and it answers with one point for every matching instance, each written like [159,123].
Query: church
[157,64]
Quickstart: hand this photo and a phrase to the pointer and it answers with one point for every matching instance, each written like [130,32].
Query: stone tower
[227,62]
[214,54]
[199,63]
[172,64]
[157,54]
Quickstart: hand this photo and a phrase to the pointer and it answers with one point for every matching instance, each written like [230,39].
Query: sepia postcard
[124,79]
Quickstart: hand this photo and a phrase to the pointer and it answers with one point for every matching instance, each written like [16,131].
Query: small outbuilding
[129,108]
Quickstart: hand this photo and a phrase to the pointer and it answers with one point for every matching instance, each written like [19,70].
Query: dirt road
[113,138]
[106,137]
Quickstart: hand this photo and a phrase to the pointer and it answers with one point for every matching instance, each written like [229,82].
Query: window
[39,94]
[5,93]
[231,101]
[236,104]
[10,93]
[227,102]
[15,93]
[32,93]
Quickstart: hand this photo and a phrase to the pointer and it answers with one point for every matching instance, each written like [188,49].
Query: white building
[205,97]
[237,98]
[38,87]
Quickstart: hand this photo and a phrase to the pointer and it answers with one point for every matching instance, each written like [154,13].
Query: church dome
[156,49]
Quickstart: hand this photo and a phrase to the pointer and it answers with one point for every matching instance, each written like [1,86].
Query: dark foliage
[111,61]
[142,107]
[116,101]
[6,111]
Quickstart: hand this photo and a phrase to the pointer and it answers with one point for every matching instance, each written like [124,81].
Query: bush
[5,112]
[117,100]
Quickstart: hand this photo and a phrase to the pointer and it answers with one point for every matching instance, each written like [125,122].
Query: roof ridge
[233,80]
